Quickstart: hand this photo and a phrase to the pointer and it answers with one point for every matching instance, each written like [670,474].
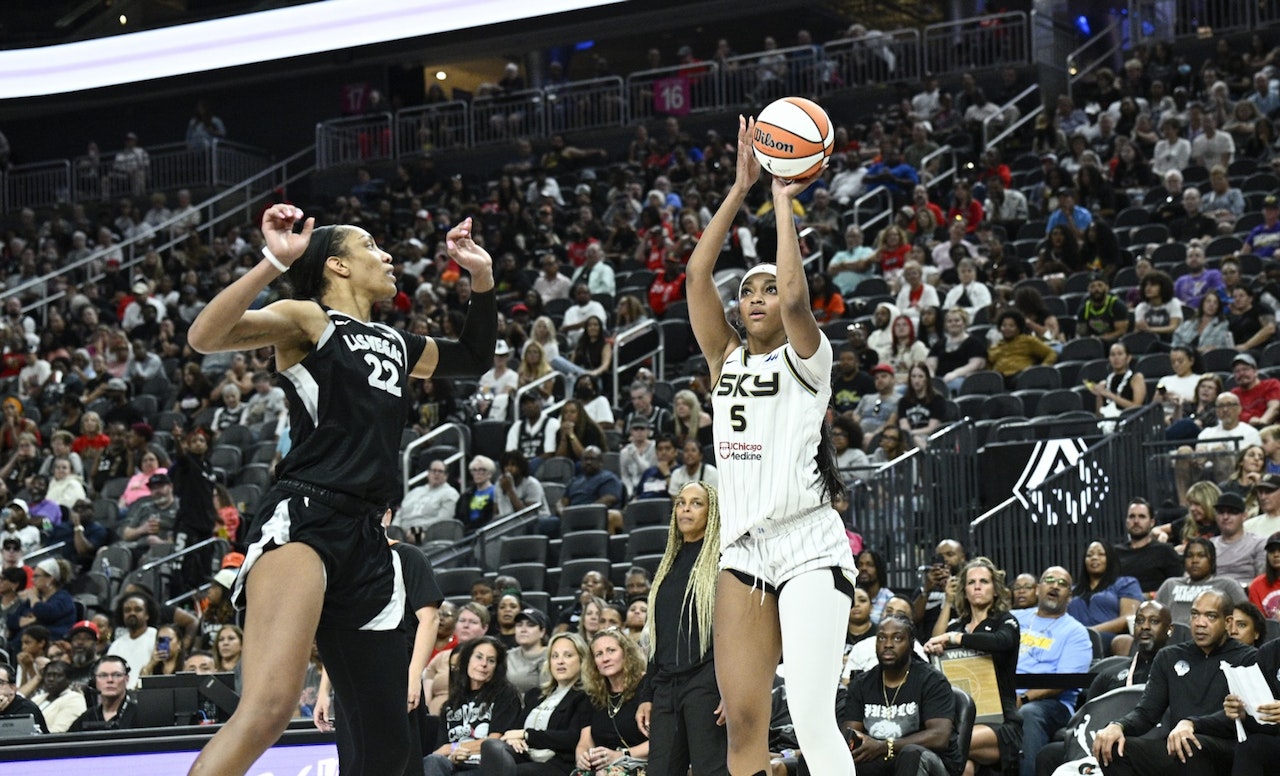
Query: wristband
[271,257]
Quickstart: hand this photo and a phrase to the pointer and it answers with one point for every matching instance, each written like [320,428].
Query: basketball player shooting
[785,564]
[318,564]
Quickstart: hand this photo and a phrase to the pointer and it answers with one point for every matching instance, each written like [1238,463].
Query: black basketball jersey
[348,400]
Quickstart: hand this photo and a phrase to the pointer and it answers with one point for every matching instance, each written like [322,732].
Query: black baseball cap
[534,616]
[1230,502]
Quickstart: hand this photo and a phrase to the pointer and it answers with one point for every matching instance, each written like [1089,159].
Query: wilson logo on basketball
[765,139]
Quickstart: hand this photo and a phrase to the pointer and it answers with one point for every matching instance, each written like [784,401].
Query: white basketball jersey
[768,414]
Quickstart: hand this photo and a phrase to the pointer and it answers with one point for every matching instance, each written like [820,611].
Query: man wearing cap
[1264,238]
[151,520]
[1241,555]
[875,409]
[1259,399]
[639,454]
[1103,315]
[19,526]
[81,535]
[524,660]
[1267,521]
[120,411]
[132,316]
[493,395]
[84,652]
[11,557]
[1074,218]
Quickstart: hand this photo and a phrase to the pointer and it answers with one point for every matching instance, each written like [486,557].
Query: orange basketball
[793,138]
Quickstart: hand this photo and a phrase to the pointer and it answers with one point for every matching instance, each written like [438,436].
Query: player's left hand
[464,250]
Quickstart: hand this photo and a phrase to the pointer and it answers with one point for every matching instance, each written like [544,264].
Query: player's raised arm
[716,338]
[793,288]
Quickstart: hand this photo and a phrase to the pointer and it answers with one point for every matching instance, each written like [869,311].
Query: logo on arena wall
[1057,504]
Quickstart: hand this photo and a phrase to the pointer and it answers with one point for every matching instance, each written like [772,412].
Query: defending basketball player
[318,563]
[785,563]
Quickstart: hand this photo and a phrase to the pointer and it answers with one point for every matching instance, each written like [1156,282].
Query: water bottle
[106,569]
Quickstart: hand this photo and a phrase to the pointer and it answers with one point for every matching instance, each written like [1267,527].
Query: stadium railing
[845,64]
[412,479]
[235,204]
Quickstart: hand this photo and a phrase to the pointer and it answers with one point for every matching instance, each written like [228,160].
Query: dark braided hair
[306,275]
[825,465]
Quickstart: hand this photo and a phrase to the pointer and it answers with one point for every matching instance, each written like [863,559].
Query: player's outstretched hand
[465,251]
[748,164]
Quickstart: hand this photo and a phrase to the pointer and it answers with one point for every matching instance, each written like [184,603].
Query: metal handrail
[26,559]
[549,377]
[636,332]
[941,176]
[1075,73]
[460,457]
[855,211]
[191,594]
[1015,126]
[1012,103]
[158,562]
[467,544]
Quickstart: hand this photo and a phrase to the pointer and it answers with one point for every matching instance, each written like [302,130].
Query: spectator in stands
[638,455]
[874,410]
[551,284]
[655,481]
[847,442]
[1102,314]
[1199,280]
[534,434]
[1264,590]
[1207,330]
[1143,557]
[1252,323]
[433,501]
[1247,625]
[892,246]
[906,349]
[131,166]
[151,520]
[267,402]
[1259,398]
[689,419]
[849,383]
[1172,151]
[959,353]
[914,736]
[1058,257]
[113,711]
[596,485]
[851,266]
[517,490]
[1264,238]
[1159,312]
[1123,388]
[476,505]
[595,272]
[138,615]
[1005,206]
[1241,556]
[493,396]
[1267,520]
[1106,597]
[668,286]
[921,411]
[204,128]
[1212,147]
[915,294]
[583,309]
[1250,465]
[873,576]
[1223,202]
[1017,350]
[45,602]
[693,468]
[21,526]
[1068,214]
[1054,641]
[943,253]
[980,601]
[596,406]
[642,405]
[1185,683]
[893,174]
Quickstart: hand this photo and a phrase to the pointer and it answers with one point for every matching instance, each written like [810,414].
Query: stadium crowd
[1121,253]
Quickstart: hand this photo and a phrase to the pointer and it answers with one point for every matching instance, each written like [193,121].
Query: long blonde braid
[700,593]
